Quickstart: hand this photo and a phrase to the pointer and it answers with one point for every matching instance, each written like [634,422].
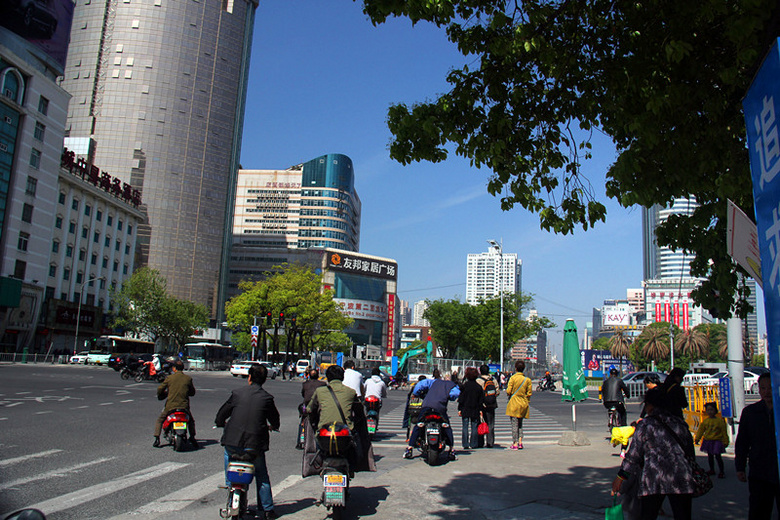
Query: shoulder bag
[701,481]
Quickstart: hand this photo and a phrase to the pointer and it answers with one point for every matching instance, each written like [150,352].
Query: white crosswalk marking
[9,462]
[538,429]
[56,473]
[63,502]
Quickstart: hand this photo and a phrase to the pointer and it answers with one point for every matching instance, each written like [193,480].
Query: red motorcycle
[175,428]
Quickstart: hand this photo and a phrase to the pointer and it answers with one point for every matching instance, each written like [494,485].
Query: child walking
[714,436]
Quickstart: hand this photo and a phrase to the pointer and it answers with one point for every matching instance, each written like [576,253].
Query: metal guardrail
[21,357]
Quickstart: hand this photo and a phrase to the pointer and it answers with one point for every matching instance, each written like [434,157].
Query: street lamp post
[500,248]
[78,313]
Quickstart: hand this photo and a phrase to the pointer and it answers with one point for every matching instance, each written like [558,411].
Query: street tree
[692,342]
[619,345]
[653,342]
[451,325]
[295,290]
[662,80]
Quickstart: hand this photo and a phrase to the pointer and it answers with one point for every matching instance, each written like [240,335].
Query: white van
[302,366]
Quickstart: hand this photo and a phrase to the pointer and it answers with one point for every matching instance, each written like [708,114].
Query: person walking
[519,389]
[755,445]
[247,416]
[470,404]
[674,393]
[489,404]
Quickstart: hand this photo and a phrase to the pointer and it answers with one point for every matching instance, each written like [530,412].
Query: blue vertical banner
[725,396]
[761,120]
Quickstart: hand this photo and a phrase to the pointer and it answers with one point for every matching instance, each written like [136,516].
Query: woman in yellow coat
[519,390]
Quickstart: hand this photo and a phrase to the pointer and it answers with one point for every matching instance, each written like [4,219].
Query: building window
[129,229]
[94,259]
[35,158]
[58,222]
[105,263]
[52,271]
[20,267]
[27,211]
[116,266]
[72,227]
[119,225]
[118,245]
[84,232]
[75,205]
[127,249]
[62,198]
[96,238]
[55,247]
[79,277]
[98,215]
[32,186]
[102,283]
[124,269]
[107,242]
[87,209]
[82,255]
[43,105]
[109,220]
[69,251]
[24,239]
[49,293]
[40,131]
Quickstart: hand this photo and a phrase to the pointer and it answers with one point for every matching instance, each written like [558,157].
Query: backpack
[491,393]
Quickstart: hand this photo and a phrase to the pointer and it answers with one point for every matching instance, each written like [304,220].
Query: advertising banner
[390,325]
[43,23]
[352,263]
[760,108]
[362,309]
[597,363]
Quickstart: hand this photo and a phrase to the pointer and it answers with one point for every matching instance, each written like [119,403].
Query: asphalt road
[75,441]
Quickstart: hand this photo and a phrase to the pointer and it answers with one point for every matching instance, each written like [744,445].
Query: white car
[80,358]
[241,368]
[750,381]
[302,366]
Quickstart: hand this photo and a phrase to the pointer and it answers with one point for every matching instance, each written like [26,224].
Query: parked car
[80,358]
[639,377]
[750,381]
[241,368]
[757,370]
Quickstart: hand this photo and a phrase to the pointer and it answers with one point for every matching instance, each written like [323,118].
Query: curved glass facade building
[159,88]
[663,263]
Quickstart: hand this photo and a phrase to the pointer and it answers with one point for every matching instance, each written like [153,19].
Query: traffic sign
[255,330]
[725,396]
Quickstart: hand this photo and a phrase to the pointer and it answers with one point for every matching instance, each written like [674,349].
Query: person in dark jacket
[674,393]
[489,405]
[755,445]
[176,390]
[470,402]
[247,417]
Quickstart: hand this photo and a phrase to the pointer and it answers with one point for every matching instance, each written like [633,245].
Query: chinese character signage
[346,262]
[362,309]
[760,108]
[390,325]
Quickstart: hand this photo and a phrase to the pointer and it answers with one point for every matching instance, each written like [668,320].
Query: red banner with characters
[658,311]
[390,325]
[676,313]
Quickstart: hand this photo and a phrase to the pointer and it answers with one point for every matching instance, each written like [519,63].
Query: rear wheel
[178,443]
[124,374]
[139,378]
[338,512]
[432,456]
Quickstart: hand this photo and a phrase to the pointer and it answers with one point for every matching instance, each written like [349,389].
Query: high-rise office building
[664,263]
[158,91]
[486,277]
[418,312]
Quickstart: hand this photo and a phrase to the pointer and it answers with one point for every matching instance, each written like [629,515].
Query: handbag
[615,512]
[702,482]
[483,428]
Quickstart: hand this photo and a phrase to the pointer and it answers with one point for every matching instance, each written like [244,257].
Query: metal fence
[22,357]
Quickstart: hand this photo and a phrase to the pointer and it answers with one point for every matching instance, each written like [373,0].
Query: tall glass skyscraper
[159,88]
[664,263]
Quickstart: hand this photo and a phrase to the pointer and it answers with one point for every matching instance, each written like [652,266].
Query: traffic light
[293,320]
[281,319]
[268,320]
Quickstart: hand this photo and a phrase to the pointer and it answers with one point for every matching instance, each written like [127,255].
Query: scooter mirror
[26,514]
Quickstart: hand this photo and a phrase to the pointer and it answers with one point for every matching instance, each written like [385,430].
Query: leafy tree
[600,344]
[692,342]
[757,360]
[662,80]
[451,322]
[295,290]
[619,345]
[143,307]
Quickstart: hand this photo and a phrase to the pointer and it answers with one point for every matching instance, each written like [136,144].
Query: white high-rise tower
[486,277]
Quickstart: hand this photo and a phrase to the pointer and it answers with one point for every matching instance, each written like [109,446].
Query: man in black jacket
[612,392]
[251,413]
[756,445]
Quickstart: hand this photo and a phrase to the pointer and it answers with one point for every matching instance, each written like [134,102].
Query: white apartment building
[486,277]
[417,314]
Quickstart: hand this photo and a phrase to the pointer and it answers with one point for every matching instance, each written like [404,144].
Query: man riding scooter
[177,390]
[439,393]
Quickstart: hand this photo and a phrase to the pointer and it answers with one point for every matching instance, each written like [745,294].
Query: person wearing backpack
[489,405]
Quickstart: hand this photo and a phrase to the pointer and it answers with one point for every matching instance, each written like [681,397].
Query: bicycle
[614,418]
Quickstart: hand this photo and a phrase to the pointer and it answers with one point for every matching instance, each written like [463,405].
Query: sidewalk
[551,482]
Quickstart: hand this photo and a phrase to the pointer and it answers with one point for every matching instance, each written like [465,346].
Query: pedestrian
[470,404]
[519,390]
[352,378]
[310,384]
[489,405]
[674,393]
[247,416]
[714,438]
[291,371]
[657,459]
[502,380]
[176,389]
[755,445]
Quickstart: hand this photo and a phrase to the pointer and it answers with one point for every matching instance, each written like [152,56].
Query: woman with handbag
[662,459]
[519,390]
[469,407]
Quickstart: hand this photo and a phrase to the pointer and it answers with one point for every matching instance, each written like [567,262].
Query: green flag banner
[574,385]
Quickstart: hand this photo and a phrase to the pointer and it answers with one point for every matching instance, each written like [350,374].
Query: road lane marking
[82,496]
[64,472]
[3,418]
[13,404]
[127,401]
[105,404]
[8,462]
[23,393]
[43,412]
[80,407]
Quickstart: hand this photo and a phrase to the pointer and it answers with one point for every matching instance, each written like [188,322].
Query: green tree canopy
[663,80]
[143,307]
[295,290]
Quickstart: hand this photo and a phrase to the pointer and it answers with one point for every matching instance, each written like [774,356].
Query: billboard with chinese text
[597,363]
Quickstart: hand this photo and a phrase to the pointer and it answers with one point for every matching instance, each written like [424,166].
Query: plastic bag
[483,428]
[621,434]
[615,512]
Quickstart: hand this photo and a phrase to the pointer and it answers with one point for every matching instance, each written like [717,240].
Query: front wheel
[124,374]
[139,378]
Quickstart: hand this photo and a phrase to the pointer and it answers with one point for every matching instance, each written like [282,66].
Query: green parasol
[574,386]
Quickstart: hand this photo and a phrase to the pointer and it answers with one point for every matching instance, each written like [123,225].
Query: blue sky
[321,80]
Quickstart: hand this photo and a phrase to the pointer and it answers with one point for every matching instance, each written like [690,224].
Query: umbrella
[574,386]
